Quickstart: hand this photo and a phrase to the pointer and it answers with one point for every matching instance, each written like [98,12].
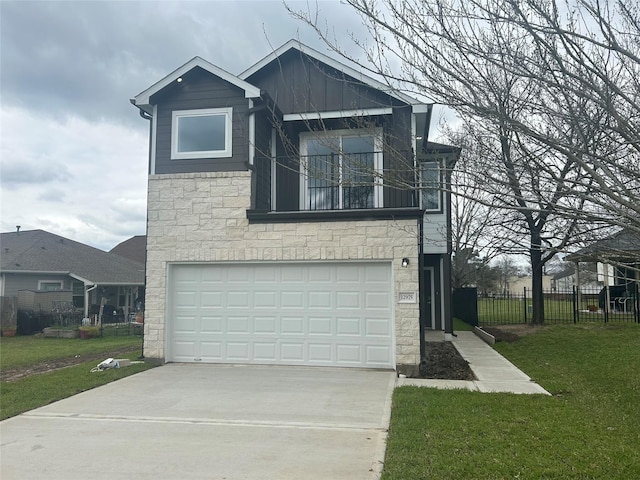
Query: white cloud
[80,179]
[74,152]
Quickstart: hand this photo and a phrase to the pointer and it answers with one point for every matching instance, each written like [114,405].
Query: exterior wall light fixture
[405,262]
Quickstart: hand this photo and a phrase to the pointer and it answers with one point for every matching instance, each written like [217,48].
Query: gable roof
[321,57]
[134,248]
[37,251]
[143,99]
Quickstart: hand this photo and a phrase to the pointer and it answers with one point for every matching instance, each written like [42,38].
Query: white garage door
[293,314]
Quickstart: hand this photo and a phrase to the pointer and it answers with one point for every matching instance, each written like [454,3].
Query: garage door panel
[320,300]
[377,300]
[300,314]
[349,326]
[348,353]
[376,355]
[265,352]
[237,325]
[377,274]
[321,353]
[211,324]
[349,300]
[293,299]
[292,326]
[186,299]
[238,351]
[238,299]
[186,324]
[239,274]
[375,327]
[320,326]
[211,351]
[210,299]
[320,274]
[265,299]
[292,274]
[265,325]
[292,352]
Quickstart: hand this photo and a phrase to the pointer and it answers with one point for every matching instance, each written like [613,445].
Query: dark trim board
[256,216]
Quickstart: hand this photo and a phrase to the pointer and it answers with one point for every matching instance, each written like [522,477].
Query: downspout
[422,367]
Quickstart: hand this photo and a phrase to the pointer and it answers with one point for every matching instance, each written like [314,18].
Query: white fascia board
[421,107]
[142,99]
[321,57]
[82,279]
[38,272]
[365,112]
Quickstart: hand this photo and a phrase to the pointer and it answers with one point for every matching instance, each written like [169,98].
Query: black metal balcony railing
[335,181]
[339,181]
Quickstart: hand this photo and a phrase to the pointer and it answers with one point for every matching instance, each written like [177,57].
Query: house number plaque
[407,297]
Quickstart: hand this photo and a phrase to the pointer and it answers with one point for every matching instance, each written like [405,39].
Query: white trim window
[430,186]
[203,133]
[341,170]
[49,285]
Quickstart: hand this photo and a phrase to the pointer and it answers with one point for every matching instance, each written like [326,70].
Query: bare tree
[550,87]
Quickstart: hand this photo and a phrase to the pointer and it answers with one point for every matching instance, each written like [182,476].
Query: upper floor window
[341,170]
[430,186]
[204,133]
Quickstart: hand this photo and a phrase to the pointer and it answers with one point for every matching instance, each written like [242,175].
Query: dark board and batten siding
[200,90]
[299,84]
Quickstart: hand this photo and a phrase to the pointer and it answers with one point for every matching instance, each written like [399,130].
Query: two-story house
[296,216]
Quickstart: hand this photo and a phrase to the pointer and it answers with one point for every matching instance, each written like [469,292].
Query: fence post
[576,306]
[525,305]
[636,303]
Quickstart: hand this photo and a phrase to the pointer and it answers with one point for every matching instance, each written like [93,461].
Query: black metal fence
[620,303]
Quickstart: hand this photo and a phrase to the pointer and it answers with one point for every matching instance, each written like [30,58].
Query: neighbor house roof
[624,244]
[38,251]
[135,248]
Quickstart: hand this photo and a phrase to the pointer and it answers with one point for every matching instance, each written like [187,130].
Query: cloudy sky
[73,149]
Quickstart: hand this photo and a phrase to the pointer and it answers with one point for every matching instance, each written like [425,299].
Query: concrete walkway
[493,372]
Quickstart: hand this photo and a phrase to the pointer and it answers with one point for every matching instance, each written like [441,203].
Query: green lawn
[41,389]
[588,429]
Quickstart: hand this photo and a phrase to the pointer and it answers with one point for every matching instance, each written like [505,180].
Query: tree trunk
[537,295]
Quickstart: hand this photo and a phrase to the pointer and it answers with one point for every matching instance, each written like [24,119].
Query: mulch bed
[444,362]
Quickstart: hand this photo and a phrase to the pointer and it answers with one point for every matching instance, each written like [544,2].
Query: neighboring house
[517,283]
[284,216]
[566,279]
[35,261]
[617,258]
[134,248]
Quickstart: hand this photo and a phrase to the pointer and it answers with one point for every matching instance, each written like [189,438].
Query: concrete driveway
[209,422]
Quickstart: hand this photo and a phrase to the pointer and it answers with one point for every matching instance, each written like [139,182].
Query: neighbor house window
[49,286]
[78,294]
[201,133]
[430,191]
[341,170]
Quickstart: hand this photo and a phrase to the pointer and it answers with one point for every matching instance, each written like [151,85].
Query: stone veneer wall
[201,217]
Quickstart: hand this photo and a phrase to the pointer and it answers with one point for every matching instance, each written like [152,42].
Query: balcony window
[202,133]
[340,170]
